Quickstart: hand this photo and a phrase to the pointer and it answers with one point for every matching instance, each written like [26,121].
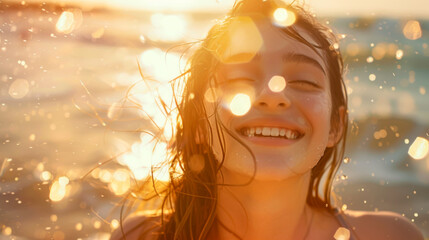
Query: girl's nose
[273,101]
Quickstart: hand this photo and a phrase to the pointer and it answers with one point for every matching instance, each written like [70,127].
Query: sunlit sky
[393,8]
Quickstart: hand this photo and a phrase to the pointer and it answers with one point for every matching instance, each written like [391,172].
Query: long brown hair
[189,201]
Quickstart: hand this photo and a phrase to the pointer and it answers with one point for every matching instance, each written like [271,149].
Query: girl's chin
[273,171]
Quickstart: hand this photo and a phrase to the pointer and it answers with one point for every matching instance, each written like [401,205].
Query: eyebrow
[296,58]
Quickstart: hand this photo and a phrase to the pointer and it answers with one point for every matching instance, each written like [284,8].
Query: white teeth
[271,132]
[289,134]
[274,132]
[266,131]
[252,131]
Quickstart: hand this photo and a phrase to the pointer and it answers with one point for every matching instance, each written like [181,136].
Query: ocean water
[56,91]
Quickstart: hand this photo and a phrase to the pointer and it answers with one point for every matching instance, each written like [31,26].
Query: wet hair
[189,202]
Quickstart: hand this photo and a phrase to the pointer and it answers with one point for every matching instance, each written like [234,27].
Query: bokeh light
[399,54]
[65,23]
[277,83]
[212,95]
[342,234]
[412,30]
[196,163]
[120,182]
[283,17]
[419,148]
[69,21]
[240,104]
[58,189]
[19,88]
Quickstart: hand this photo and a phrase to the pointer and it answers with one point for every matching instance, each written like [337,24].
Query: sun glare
[167,27]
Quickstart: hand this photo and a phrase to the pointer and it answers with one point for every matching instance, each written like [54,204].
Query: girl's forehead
[249,39]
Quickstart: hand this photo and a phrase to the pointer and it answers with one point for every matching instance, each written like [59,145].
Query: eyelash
[305,82]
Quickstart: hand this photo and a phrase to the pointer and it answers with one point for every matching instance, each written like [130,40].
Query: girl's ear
[337,130]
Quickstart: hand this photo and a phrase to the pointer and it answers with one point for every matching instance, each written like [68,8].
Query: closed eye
[304,84]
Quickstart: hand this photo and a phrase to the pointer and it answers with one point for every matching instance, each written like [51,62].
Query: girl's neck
[264,209]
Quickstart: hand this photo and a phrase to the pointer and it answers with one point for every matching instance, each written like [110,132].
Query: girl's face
[287,130]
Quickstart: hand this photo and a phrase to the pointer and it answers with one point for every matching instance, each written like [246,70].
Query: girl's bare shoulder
[382,225]
[137,225]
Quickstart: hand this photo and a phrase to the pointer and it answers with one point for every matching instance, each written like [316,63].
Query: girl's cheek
[318,104]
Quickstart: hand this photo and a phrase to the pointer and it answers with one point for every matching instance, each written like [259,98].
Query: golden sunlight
[277,83]
[240,104]
[121,182]
[147,156]
[160,65]
[342,234]
[167,27]
[412,30]
[283,17]
[419,148]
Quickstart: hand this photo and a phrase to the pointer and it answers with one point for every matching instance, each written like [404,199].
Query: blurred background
[66,67]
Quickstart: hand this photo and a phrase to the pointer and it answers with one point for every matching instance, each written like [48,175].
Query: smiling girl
[262,125]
